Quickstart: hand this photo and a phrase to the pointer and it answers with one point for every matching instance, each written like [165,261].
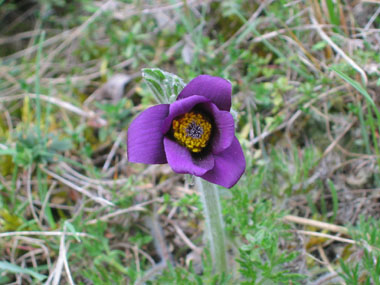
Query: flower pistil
[192,130]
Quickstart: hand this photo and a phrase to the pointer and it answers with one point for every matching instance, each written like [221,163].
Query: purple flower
[195,134]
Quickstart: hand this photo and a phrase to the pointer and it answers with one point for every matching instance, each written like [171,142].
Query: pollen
[192,130]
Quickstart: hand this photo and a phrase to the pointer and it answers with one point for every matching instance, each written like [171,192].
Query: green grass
[308,125]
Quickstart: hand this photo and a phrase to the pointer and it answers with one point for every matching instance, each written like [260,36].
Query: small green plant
[30,148]
[365,270]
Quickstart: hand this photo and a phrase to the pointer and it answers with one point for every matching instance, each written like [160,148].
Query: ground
[306,80]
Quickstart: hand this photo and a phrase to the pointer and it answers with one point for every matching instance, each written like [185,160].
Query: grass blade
[6,266]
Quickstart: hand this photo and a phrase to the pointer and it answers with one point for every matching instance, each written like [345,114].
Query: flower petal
[145,138]
[224,128]
[181,107]
[217,89]
[181,161]
[229,166]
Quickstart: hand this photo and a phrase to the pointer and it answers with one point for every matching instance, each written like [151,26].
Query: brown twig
[314,223]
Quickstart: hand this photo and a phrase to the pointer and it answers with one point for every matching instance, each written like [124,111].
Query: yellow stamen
[192,130]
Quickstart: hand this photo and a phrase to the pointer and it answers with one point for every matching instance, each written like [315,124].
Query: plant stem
[214,222]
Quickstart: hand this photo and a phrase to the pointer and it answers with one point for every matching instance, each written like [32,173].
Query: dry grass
[70,203]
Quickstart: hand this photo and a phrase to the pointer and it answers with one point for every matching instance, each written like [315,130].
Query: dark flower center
[192,130]
[195,131]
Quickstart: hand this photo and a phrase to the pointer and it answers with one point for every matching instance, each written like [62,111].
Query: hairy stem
[214,222]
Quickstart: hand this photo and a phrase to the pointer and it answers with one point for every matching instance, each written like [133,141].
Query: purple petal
[217,89]
[181,107]
[229,166]
[145,138]
[224,128]
[181,161]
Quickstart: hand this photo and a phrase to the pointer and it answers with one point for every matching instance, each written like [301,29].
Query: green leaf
[71,229]
[354,84]
[333,13]
[60,145]
[17,269]
[319,45]
[7,151]
[359,88]
[335,200]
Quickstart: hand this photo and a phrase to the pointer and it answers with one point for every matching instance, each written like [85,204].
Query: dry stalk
[314,223]
[185,239]
[30,199]
[81,190]
[43,233]
[138,207]
[63,104]
[327,262]
[338,50]
[323,235]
